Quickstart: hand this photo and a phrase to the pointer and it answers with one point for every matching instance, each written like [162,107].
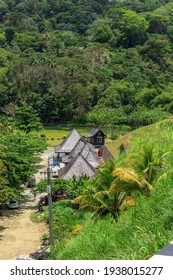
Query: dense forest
[87,61]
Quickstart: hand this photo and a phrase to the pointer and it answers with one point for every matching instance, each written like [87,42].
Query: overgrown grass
[140,233]
[139,136]
[39,216]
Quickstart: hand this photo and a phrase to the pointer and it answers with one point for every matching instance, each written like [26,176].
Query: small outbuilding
[96,137]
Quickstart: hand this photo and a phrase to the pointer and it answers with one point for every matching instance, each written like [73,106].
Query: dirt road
[18,234]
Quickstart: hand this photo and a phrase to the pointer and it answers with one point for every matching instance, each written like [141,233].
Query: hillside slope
[71,60]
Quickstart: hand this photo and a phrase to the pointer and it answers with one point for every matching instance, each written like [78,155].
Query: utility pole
[50,206]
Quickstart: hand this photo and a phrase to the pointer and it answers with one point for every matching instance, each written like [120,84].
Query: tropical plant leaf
[128,180]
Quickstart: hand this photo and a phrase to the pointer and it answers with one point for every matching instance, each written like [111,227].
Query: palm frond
[128,180]
[128,201]
[164,175]
[102,196]
[125,179]
[146,185]
[85,201]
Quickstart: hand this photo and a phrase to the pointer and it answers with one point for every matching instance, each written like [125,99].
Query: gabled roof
[86,150]
[76,150]
[93,159]
[69,142]
[93,132]
[78,166]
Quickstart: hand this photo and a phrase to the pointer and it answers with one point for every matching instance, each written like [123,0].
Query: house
[68,144]
[95,137]
[86,150]
[78,155]
[77,166]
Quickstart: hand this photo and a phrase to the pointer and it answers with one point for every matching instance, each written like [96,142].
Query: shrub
[76,229]
[43,135]
[122,148]
[66,203]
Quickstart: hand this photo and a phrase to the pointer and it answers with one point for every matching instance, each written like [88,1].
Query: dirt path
[18,234]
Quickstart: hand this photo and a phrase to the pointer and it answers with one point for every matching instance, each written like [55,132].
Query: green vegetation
[27,119]
[18,156]
[106,63]
[140,233]
[55,134]
[126,212]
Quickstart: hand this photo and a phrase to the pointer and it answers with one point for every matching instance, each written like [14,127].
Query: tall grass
[140,233]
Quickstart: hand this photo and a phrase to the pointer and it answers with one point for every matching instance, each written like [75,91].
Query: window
[99,140]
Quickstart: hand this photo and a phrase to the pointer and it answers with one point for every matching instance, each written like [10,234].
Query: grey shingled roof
[93,159]
[78,166]
[69,142]
[76,150]
[92,132]
[86,150]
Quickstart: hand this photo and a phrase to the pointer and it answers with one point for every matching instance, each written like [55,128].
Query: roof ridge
[63,171]
[63,144]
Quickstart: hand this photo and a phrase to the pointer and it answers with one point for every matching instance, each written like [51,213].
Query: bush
[65,203]
[43,135]
[64,219]
[122,148]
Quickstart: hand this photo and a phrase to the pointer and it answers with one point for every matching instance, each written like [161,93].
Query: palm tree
[147,162]
[102,203]
[114,190]
[128,180]
[104,177]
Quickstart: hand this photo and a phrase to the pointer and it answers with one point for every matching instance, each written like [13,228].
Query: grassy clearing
[55,135]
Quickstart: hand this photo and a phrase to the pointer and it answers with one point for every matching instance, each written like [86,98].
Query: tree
[104,177]
[157,23]
[102,203]
[20,157]
[27,119]
[113,190]
[10,34]
[145,96]
[133,28]
[103,34]
[129,181]
[101,200]
[150,163]
[5,190]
